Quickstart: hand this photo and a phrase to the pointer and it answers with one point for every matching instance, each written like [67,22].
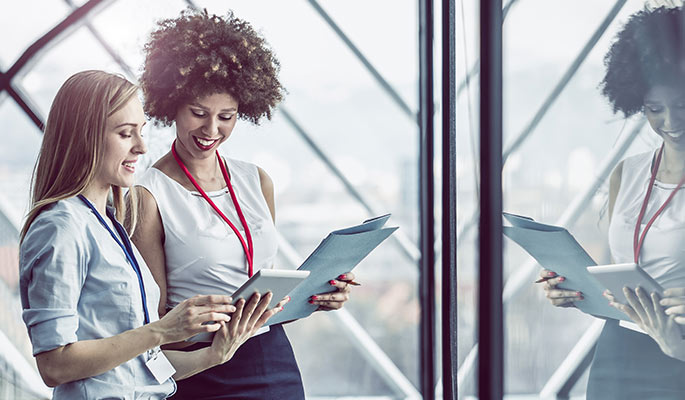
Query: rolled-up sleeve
[53,268]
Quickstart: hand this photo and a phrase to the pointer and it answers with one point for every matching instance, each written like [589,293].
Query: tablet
[615,276]
[280,282]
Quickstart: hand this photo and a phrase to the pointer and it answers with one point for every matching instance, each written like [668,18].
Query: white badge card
[160,367]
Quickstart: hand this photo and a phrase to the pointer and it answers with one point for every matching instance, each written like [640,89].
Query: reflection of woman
[90,302]
[646,72]
[207,222]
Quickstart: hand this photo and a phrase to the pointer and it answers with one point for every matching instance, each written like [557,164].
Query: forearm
[189,363]
[88,358]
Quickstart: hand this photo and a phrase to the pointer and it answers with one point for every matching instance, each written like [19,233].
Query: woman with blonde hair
[89,299]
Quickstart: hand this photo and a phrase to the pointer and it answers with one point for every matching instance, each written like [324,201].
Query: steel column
[426,202]
[490,313]
[449,203]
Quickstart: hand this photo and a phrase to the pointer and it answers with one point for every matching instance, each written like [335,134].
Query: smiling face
[202,125]
[122,144]
[665,110]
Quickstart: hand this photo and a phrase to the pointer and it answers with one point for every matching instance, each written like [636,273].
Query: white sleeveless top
[663,250]
[203,254]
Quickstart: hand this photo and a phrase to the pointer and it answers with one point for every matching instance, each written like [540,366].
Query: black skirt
[264,367]
[630,365]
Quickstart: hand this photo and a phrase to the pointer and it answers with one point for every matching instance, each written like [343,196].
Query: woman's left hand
[334,300]
[646,311]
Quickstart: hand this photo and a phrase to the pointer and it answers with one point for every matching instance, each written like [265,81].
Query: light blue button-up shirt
[76,284]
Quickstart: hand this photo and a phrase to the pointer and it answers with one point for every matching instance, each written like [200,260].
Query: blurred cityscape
[375,145]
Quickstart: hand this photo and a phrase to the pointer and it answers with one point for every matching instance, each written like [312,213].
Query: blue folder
[557,250]
[337,254]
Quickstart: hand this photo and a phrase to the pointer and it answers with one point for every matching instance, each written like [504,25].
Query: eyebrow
[232,109]
[134,125]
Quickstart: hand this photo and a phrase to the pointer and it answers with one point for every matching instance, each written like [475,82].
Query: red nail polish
[331,282]
[561,279]
[311,301]
[578,294]
[341,277]
[550,273]
[314,297]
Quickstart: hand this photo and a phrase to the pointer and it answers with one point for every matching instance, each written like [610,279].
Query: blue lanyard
[126,247]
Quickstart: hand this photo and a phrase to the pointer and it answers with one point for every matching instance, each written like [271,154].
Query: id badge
[159,366]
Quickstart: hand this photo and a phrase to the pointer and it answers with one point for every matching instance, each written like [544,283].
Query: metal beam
[490,309]
[561,382]
[565,79]
[28,379]
[449,203]
[408,248]
[364,343]
[387,87]
[24,102]
[112,53]
[427,342]
[551,98]
[476,65]
[521,279]
[55,35]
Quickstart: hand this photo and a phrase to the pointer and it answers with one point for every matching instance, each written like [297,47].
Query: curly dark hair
[648,51]
[198,54]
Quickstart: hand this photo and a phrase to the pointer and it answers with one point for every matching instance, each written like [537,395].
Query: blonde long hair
[73,140]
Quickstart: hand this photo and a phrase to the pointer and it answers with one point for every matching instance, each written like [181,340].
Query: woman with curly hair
[89,300]
[645,72]
[207,223]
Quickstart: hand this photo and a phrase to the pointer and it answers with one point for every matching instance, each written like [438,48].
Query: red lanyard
[247,247]
[637,238]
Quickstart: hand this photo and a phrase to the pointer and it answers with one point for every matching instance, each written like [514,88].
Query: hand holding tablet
[278,282]
[617,276]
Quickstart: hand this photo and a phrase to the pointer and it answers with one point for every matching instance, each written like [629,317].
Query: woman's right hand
[558,297]
[188,318]
[244,322]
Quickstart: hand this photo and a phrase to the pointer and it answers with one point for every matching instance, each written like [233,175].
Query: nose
[139,147]
[673,119]
[210,127]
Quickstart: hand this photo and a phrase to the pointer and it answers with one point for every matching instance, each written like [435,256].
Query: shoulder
[265,181]
[243,168]
[65,216]
[637,161]
[616,174]
[148,177]
[59,225]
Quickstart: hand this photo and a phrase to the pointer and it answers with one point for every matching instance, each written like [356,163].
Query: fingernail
[314,297]
[550,273]
[280,309]
[662,302]
[311,301]
[578,294]
[582,297]
[331,282]
[287,299]
[561,279]
[342,276]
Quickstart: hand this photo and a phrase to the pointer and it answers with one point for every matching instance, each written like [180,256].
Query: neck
[204,168]
[672,160]
[97,194]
